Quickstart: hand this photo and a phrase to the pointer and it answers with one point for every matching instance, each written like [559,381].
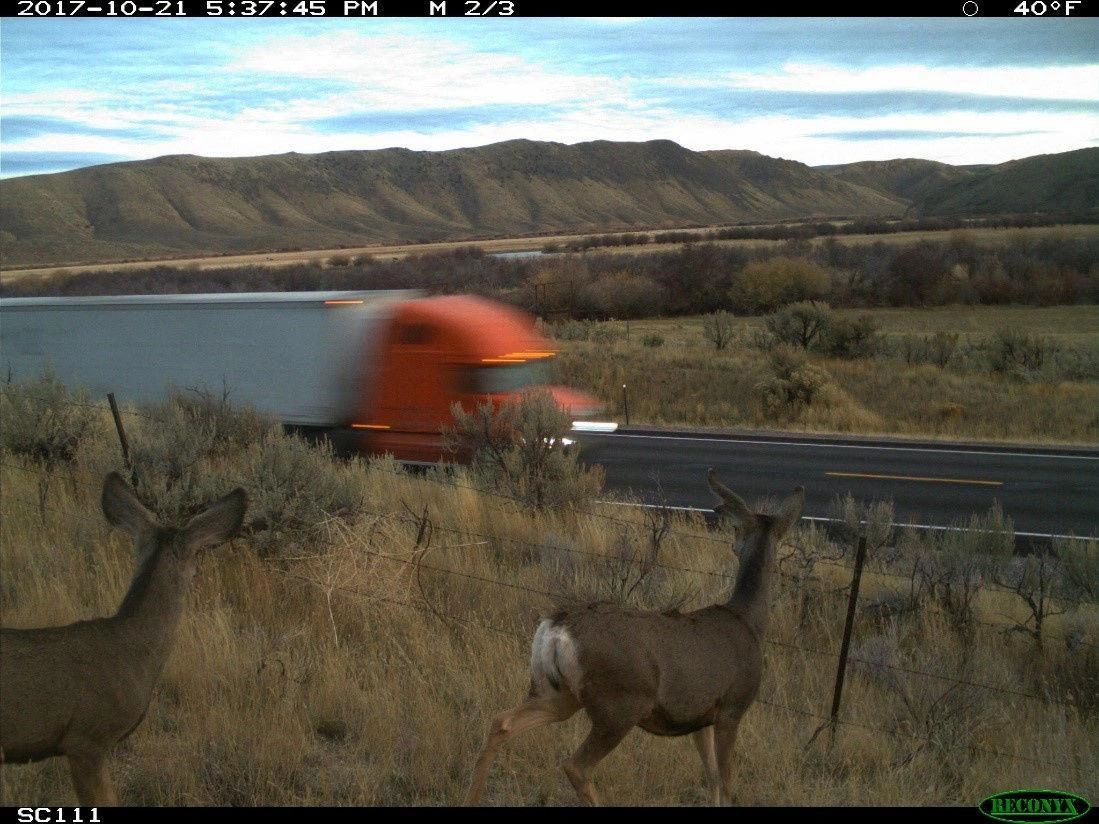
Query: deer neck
[751,596]
[152,609]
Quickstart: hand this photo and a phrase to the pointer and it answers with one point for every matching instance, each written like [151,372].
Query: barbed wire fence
[427,528]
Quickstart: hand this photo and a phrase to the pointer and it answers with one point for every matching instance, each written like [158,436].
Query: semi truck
[374,371]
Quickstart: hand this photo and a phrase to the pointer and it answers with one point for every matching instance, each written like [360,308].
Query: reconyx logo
[1034,807]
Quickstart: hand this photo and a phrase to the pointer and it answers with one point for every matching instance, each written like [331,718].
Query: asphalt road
[1045,492]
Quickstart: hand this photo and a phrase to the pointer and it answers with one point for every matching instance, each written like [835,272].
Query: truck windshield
[504,377]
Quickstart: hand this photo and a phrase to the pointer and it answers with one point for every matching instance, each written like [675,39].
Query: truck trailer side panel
[305,358]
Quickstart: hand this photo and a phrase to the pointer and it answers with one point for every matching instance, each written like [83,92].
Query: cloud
[913,134]
[406,73]
[22,127]
[1044,83]
[955,91]
[13,164]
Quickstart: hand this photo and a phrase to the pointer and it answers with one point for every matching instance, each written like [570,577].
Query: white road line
[859,446]
[837,520]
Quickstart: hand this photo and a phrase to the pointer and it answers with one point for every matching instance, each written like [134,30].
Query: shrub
[605,332]
[873,521]
[570,330]
[765,284]
[800,324]
[623,295]
[1080,560]
[792,383]
[1018,354]
[295,490]
[190,448]
[515,450]
[180,449]
[957,563]
[850,337]
[941,348]
[718,329]
[46,421]
[652,340]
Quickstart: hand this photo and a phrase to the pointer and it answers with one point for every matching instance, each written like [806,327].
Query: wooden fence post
[845,646]
[122,438]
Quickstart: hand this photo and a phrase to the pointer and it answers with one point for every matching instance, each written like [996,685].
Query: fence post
[626,404]
[841,669]
[122,438]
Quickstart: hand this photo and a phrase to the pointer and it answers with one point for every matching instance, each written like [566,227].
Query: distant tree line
[696,278]
[806,230]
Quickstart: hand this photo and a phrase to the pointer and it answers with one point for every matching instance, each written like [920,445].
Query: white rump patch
[553,660]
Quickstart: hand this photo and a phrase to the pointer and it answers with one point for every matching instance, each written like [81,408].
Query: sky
[78,92]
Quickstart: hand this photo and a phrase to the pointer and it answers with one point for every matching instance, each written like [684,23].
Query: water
[529,253]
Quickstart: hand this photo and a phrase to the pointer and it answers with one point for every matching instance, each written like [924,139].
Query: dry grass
[686,382]
[300,678]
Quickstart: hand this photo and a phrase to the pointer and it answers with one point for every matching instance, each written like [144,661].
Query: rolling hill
[1065,182]
[189,205]
[186,204]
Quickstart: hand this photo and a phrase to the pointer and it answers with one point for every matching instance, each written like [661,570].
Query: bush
[180,450]
[623,295]
[941,348]
[46,421]
[850,338]
[1018,354]
[1080,560]
[191,447]
[800,324]
[295,489]
[792,383]
[515,450]
[766,284]
[718,329]
[652,340]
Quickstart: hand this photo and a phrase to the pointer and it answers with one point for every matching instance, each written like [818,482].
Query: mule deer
[668,673]
[80,689]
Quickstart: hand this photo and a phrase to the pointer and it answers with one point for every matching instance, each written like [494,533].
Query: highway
[1046,491]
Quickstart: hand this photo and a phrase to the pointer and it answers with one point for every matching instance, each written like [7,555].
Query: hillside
[189,205]
[1066,182]
[1057,182]
[909,178]
[185,204]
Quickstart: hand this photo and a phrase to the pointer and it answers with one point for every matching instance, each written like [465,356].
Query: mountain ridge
[188,204]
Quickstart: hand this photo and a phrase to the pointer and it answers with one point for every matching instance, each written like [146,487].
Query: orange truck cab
[373,371]
[441,350]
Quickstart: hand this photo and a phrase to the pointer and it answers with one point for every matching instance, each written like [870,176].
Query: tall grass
[686,381]
[342,665]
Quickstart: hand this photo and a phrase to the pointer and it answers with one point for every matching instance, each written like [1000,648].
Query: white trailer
[306,358]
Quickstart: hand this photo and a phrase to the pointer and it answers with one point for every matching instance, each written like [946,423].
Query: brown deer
[80,689]
[668,673]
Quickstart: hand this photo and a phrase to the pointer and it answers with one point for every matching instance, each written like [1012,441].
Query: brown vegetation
[356,657]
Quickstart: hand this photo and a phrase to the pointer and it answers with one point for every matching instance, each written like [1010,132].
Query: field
[342,653]
[675,376]
[382,252]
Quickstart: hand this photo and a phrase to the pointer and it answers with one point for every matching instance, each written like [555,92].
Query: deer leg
[91,780]
[725,731]
[608,728]
[534,712]
[704,742]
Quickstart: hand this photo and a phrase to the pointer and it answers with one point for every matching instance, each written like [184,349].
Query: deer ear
[123,509]
[735,504]
[218,522]
[790,511]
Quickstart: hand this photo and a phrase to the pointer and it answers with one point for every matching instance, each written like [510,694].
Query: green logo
[1034,806]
